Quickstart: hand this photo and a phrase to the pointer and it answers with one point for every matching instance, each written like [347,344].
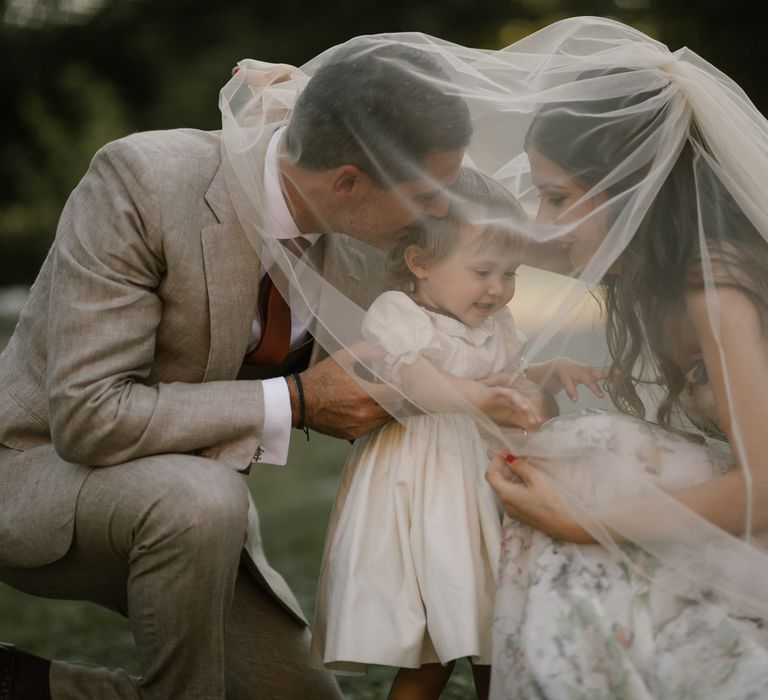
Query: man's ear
[349,183]
[413,256]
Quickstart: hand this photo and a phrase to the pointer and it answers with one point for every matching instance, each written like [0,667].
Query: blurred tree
[77,73]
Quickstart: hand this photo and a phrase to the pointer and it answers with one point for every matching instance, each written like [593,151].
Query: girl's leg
[425,683]
[482,677]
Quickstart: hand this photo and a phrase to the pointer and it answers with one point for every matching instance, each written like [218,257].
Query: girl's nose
[494,286]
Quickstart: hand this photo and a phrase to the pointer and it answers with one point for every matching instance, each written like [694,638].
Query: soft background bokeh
[78,73]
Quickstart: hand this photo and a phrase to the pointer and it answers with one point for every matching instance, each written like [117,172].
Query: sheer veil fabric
[617,113]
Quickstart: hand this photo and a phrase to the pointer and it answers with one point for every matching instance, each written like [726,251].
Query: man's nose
[438,207]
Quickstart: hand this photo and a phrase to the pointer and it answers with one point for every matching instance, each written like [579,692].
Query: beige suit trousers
[159,539]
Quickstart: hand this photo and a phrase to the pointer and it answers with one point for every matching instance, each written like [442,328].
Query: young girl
[409,569]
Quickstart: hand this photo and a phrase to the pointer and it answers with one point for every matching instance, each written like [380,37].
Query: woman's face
[561,202]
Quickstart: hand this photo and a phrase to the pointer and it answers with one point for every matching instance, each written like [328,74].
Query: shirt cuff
[276,434]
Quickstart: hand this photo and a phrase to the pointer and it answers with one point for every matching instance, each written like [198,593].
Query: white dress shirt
[278,221]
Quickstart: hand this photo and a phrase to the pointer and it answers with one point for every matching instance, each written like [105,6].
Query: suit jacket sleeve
[105,311]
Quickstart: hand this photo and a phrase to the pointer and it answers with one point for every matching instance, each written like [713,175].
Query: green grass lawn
[294,502]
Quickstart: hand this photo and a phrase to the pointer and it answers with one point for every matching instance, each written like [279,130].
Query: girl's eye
[482,274]
[510,274]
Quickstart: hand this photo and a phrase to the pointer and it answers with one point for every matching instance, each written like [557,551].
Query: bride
[632,562]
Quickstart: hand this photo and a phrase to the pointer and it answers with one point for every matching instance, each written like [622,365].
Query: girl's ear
[413,256]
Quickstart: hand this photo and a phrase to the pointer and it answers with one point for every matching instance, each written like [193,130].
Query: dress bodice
[405,331]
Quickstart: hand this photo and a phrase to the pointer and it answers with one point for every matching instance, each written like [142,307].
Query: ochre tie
[275,327]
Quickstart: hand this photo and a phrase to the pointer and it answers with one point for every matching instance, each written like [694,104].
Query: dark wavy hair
[663,260]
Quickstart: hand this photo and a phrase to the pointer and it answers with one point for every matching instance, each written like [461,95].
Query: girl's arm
[433,389]
[737,364]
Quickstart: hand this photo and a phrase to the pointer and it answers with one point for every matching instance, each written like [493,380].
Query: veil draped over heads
[643,180]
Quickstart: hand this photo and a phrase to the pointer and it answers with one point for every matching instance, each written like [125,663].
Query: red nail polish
[510,458]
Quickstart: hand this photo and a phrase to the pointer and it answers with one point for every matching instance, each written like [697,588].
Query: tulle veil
[565,90]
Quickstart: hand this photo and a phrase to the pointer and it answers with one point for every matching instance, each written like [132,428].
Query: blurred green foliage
[74,79]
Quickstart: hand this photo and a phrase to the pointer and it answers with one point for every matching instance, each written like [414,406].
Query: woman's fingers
[509,468]
[507,479]
[519,467]
[498,469]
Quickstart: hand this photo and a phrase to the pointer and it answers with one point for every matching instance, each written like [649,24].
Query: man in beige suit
[124,428]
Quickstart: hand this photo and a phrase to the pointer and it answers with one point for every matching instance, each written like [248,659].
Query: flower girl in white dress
[409,570]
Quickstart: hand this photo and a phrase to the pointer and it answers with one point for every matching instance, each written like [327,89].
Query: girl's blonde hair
[474,196]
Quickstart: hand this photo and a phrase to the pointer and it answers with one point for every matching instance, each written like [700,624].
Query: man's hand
[334,402]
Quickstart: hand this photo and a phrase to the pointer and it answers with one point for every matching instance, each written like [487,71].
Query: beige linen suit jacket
[133,336]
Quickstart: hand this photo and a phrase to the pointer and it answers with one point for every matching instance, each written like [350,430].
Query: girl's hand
[506,379]
[568,374]
[509,407]
[528,495]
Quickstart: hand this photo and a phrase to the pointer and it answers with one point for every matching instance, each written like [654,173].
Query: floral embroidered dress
[574,622]
[411,556]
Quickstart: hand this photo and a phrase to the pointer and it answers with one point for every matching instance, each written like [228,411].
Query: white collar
[278,222]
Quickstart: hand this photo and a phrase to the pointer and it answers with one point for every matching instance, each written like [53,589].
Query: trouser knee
[202,510]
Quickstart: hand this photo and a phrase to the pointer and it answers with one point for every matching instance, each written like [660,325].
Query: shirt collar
[277,217]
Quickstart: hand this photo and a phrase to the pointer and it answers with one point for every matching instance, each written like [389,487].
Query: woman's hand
[528,495]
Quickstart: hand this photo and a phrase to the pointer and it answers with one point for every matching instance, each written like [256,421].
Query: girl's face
[470,283]
[558,197]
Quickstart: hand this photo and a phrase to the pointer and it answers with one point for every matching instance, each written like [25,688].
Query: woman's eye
[482,273]
[555,201]
[510,274]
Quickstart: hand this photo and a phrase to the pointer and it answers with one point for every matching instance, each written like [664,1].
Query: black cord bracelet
[302,408]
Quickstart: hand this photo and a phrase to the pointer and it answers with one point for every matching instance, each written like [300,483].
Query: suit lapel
[232,278]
